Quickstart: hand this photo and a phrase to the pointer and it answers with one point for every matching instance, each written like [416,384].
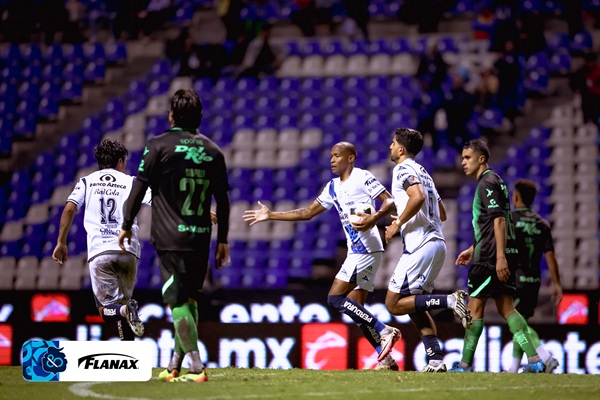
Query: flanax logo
[196,154]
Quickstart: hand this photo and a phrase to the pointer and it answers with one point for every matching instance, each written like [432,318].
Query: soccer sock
[472,335]
[518,327]
[425,302]
[517,356]
[125,332]
[432,347]
[354,310]
[539,347]
[112,313]
[372,336]
[178,347]
[185,327]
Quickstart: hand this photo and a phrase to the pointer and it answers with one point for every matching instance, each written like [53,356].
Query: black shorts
[484,283]
[527,299]
[183,274]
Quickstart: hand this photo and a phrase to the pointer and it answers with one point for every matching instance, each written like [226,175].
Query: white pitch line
[83,390]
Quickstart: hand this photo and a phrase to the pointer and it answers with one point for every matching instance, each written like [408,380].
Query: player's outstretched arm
[300,214]
[61,251]
[465,257]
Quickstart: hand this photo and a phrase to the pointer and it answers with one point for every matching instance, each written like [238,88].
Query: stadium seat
[8,266]
[48,274]
[26,273]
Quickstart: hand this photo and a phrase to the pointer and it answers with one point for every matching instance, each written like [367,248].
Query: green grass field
[232,383]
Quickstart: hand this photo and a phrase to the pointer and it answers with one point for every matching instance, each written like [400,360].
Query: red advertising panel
[6,335]
[51,308]
[366,356]
[573,309]
[324,346]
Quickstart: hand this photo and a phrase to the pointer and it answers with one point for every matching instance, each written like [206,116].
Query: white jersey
[361,187]
[103,193]
[426,224]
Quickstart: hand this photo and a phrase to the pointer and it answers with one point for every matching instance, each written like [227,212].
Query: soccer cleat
[460,308]
[457,368]
[534,368]
[191,377]
[551,365]
[388,336]
[167,376]
[133,318]
[387,363]
[441,367]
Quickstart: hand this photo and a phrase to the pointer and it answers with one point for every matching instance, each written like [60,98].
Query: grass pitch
[233,383]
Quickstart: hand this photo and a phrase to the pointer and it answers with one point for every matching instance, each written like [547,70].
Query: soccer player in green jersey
[491,258]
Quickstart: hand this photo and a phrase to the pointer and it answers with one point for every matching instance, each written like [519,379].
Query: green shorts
[484,283]
[183,274]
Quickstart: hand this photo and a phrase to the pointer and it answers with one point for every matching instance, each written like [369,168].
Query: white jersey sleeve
[103,193]
[426,224]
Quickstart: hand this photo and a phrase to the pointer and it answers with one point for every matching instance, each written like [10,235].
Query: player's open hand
[391,229]
[124,235]
[465,257]
[213,218]
[60,253]
[260,215]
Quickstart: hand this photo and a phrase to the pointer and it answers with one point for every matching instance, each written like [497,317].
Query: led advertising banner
[282,330]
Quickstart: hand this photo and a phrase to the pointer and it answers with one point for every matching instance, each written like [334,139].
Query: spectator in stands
[433,68]
[229,12]
[484,25]
[508,69]
[459,105]
[195,60]
[586,81]
[305,16]
[531,27]
[358,11]
[155,14]
[263,57]
[487,88]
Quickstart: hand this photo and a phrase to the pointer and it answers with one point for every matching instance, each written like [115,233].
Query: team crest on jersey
[489,192]
[107,178]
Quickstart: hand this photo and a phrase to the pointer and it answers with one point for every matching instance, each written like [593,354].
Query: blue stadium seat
[582,42]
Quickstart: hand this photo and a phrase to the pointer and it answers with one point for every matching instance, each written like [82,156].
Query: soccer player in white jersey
[112,270]
[355,280]
[420,215]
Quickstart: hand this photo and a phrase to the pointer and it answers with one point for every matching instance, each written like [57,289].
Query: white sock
[388,360]
[543,353]
[514,367]
[451,301]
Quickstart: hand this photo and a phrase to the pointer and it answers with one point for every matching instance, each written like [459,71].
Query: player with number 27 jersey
[103,193]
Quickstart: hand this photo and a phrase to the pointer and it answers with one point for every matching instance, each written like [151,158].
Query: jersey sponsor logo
[493,204]
[108,361]
[192,228]
[528,227]
[196,154]
[109,184]
[107,192]
[108,178]
[191,141]
[109,311]
[370,181]
[109,232]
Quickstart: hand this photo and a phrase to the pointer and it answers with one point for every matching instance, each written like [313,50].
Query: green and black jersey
[536,235]
[185,171]
[490,202]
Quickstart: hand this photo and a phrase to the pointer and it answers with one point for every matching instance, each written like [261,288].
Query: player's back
[184,170]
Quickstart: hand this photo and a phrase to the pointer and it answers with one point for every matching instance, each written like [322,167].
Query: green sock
[518,327]
[194,311]
[517,350]
[535,339]
[472,335]
[185,327]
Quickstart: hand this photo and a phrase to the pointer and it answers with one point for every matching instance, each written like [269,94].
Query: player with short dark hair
[185,170]
[492,256]
[420,215]
[535,234]
[112,269]
[355,188]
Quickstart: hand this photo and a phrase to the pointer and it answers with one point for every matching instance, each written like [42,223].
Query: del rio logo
[108,361]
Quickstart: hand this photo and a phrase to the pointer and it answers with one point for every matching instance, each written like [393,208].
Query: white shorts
[360,269]
[416,272]
[113,277]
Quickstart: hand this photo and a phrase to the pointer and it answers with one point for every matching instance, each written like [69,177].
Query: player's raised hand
[260,215]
